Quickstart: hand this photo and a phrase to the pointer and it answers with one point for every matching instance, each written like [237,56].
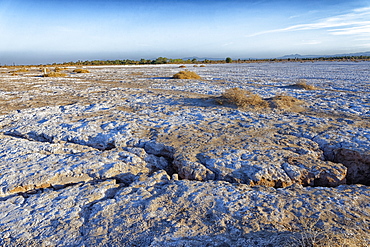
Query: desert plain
[129,156]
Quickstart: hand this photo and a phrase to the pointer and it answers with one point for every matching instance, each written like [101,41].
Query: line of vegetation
[164,60]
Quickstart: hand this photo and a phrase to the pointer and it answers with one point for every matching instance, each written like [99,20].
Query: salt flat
[128,156]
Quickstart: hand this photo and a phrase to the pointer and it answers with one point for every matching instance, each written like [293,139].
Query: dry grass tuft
[57,69]
[302,84]
[195,65]
[243,98]
[285,102]
[15,72]
[55,74]
[310,235]
[246,99]
[81,71]
[202,65]
[182,66]
[186,75]
[22,70]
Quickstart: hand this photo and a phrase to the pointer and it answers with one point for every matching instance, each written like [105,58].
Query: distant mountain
[316,56]
[292,56]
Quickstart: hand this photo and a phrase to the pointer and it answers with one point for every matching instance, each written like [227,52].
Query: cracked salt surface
[118,127]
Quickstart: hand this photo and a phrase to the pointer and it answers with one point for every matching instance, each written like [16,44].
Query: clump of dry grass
[286,102]
[182,66]
[243,98]
[195,65]
[302,84]
[202,65]
[186,75]
[246,99]
[57,69]
[15,72]
[22,70]
[81,71]
[55,74]
[310,235]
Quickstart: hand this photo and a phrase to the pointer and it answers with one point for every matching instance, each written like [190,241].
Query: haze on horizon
[35,32]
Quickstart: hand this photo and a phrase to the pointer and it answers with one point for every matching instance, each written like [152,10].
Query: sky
[48,31]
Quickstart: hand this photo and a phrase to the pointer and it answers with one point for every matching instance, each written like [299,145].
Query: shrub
[14,72]
[22,70]
[186,75]
[228,60]
[81,71]
[310,234]
[285,102]
[57,69]
[302,84]
[243,98]
[55,74]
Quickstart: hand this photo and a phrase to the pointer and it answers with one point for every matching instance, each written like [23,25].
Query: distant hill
[316,56]
[292,56]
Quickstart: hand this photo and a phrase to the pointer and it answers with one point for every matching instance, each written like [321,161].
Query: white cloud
[311,42]
[364,10]
[144,45]
[228,44]
[364,46]
[355,22]
[362,29]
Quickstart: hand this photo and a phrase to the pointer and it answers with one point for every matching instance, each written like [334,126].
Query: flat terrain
[128,156]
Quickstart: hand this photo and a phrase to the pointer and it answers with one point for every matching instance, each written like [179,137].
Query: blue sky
[34,32]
